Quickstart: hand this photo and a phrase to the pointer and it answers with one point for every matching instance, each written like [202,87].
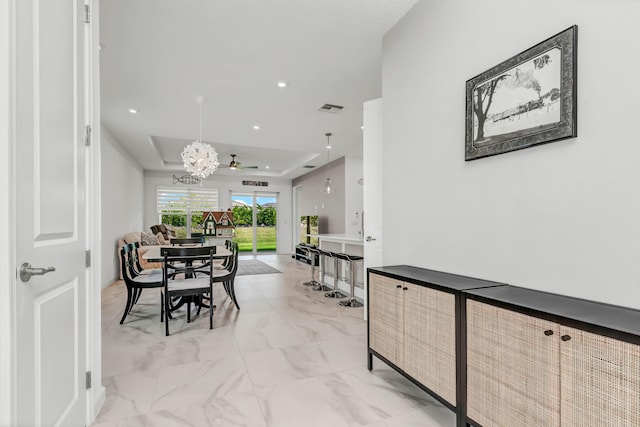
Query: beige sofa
[136,236]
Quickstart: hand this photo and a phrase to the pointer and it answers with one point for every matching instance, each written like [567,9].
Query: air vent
[330,108]
[308,166]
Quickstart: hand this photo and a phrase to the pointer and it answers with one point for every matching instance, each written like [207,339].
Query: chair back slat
[180,260]
[188,241]
[128,259]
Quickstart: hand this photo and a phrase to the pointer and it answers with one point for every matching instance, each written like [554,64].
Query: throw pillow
[147,239]
[134,236]
[171,232]
[161,239]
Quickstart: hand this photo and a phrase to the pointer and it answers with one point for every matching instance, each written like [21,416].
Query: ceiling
[157,56]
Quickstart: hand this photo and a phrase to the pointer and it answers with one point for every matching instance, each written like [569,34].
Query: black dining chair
[188,241]
[189,282]
[227,275]
[134,281]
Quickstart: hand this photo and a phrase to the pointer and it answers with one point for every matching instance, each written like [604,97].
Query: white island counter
[345,243]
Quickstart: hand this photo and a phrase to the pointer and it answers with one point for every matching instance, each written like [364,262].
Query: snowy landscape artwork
[527,100]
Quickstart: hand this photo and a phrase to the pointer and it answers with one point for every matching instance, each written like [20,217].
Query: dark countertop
[446,281]
[563,309]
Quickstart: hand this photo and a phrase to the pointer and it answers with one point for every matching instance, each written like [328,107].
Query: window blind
[182,200]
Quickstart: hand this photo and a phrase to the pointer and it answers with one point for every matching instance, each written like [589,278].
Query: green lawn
[266,238]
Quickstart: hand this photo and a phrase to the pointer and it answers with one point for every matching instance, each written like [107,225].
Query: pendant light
[200,159]
[327,184]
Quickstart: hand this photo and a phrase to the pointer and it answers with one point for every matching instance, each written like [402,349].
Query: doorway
[255,215]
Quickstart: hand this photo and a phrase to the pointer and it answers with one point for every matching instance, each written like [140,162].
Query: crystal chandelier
[327,184]
[200,159]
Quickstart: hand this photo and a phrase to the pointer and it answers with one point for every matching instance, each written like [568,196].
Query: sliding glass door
[255,215]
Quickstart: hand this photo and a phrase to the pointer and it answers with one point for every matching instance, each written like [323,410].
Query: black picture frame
[527,100]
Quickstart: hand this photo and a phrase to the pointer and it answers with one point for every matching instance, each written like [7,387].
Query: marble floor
[288,357]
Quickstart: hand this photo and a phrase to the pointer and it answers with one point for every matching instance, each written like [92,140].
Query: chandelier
[327,184]
[200,159]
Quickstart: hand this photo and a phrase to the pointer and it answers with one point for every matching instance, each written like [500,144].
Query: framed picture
[527,100]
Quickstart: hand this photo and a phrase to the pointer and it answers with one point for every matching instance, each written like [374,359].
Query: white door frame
[7,263]
[97,394]
[8,268]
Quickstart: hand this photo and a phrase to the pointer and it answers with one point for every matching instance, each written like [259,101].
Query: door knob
[369,238]
[26,271]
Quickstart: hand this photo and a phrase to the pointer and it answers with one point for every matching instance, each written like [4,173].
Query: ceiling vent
[308,166]
[330,108]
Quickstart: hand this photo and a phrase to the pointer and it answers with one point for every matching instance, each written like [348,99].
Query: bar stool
[314,253]
[335,292]
[352,260]
[321,286]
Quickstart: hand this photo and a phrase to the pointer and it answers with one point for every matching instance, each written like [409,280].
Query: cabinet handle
[548,332]
[405,288]
[398,286]
[565,338]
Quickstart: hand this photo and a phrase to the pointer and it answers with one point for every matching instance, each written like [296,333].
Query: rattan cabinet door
[430,339]
[385,317]
[513,368]
[600,380]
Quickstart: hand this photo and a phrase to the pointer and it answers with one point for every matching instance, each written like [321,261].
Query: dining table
[154,254]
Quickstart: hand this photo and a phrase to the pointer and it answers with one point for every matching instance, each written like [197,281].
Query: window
[183,208]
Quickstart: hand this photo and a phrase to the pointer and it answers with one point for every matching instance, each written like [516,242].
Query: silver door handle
[26,271]
[369,238]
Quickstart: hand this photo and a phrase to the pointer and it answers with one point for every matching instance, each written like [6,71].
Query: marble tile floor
[288,358]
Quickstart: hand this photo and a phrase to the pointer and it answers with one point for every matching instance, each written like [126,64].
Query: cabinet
[600,380]
[513,369]
[501,355]
[538,359]
[413,325]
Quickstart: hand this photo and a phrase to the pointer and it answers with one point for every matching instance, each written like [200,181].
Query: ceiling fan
[234,165]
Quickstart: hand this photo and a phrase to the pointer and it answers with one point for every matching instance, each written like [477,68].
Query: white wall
[122,201]
[225,185]
[562,217]
[353,196]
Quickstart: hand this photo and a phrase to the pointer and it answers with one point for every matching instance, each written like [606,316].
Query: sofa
[146,241]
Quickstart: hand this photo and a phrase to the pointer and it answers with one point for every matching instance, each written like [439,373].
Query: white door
[49,185]
[372,183]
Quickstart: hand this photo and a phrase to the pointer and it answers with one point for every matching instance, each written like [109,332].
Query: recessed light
[282,83]
[133,111]
[362,127]
[256,127]
[266,167]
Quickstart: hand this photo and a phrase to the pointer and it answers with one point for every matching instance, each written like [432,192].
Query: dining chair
[227,275]
[225,262]
[186,281]
[188,241]
[136,262]
[135,282]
